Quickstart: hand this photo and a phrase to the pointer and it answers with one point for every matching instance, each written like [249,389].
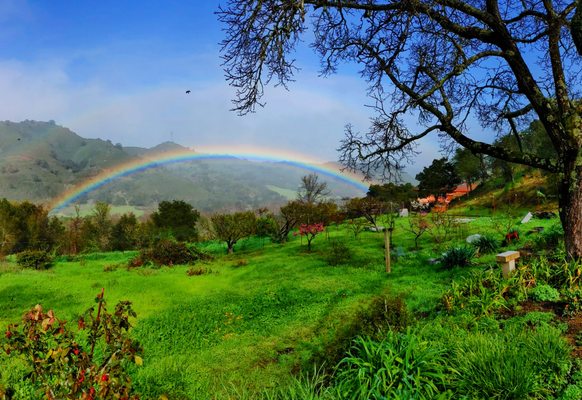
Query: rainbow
[173,157]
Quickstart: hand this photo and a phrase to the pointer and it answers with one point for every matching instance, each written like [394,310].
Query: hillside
[41,160]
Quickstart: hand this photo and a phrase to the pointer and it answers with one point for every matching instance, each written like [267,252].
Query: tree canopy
[491,66]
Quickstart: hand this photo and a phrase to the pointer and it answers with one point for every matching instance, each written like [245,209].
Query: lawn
[256,318]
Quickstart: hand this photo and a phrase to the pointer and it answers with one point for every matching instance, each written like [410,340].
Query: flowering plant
[65,365]
[310,231]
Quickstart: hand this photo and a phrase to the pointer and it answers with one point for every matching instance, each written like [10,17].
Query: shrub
[167,252]
[549,239]
[457,257]
[573,299]
[35,259]
[339,253]
[195,271]
[504,365]
[61,364]
[543,292]
[383,313]
[486,244]
[398,367]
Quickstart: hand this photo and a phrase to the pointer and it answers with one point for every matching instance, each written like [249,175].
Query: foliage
[573,299]
[469,167]
[230,228]
[458,257]
[124,233]
[439,177]
[486,244]
[501,366]
[549,239]
[400,366]
[442,226]
[88,365]
[417,225]
[196,271]
[338,253]
[481,293]
[177,217]
[381,314]
[168,252]
[543,292]
[310,231]
[34,259]
[391,192]
[369,208]
[357,226]
[26,226]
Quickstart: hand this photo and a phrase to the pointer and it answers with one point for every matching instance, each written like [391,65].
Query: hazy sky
[119,70]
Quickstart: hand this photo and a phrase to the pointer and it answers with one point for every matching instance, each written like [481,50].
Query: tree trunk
[571,208]
[230,247]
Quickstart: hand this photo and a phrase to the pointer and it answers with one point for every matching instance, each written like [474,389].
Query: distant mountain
[41,160]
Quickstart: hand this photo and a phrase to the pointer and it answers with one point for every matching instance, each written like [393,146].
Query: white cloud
[308,119]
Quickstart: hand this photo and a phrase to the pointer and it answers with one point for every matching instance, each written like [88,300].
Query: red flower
[81,377]
[104,378]
[8,334]
[76,351]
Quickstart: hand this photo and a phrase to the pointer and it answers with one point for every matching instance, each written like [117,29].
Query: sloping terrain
[41,160]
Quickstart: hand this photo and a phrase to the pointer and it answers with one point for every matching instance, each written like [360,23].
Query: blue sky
[118,70]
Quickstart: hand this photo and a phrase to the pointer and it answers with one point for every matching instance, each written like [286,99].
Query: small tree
[417,225]
[311,190]
[124,233]
[230,228]
[368,208]
[310,232]
[177,218]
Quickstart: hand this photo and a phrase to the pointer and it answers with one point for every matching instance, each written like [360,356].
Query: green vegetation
[273,321]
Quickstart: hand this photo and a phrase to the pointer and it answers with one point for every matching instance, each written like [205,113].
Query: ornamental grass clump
[397,367]
[457,257]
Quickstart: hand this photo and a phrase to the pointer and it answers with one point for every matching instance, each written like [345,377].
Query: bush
[383,313]
[544,292]
[486,244]
[549,239]
[457,257]
[339,253]
[401,366]
[198,271]
[168,252]
[63,363]
[506,365]
[34,259]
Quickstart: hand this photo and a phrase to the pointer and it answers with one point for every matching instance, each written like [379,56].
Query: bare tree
[453,64]
[311,190]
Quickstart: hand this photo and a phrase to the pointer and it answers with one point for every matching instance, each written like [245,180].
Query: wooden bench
[507,261]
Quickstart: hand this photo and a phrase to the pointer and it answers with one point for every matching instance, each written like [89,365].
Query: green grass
[255,320]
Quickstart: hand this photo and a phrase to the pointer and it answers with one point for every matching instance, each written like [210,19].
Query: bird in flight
[187,91]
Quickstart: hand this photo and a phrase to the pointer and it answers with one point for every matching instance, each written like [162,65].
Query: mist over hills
[41,160]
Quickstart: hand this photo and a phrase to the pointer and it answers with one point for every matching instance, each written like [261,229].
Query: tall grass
[400,366]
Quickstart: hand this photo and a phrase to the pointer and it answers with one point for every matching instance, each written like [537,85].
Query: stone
[527,218]
[403,212]
[473,238]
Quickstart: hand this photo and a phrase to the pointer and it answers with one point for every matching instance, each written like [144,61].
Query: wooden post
[507,261]
[387,251]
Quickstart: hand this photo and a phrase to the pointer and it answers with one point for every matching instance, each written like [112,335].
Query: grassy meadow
[254,323]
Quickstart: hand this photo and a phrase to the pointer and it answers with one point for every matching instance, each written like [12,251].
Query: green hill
[41,160]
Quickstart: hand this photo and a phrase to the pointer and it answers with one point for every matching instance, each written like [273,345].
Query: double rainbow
[173,157]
